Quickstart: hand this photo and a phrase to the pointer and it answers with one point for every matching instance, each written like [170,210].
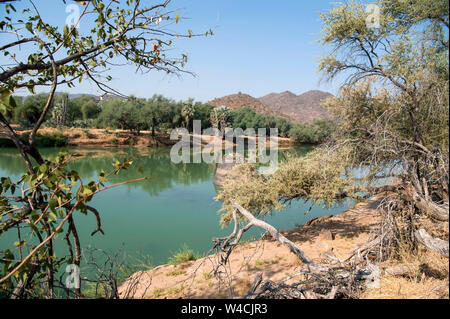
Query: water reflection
[154,163]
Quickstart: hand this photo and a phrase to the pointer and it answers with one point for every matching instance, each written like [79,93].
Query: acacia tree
[393,110]
[43,55]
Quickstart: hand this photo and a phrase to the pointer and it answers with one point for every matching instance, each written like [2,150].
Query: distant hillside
[299,108]
[76,95]
[277,101]
[240,100]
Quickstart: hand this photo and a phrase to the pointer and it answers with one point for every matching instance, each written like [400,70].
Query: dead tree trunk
[253,221]
[438,245]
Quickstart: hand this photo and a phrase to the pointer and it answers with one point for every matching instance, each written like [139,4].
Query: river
[152,219]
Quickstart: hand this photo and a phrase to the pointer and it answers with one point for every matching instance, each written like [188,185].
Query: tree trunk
[438,245]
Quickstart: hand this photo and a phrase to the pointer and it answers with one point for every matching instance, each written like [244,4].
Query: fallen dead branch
[438,245]
[317,281]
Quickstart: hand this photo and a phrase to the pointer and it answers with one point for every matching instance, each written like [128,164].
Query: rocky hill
[297,108]
[305,107]
[240,100]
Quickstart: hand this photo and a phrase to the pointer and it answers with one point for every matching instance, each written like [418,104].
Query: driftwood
[226,244]
[334,283]
[438,212]
[438,245]
[256,283]
[319,281]
[341,278]
[400,270]
[274,232]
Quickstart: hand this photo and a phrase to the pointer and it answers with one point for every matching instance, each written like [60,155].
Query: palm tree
[188,111]
[220,117]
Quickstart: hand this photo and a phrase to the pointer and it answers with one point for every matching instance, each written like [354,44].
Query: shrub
[88,134]
[56,139]
[89,123]
[4,142]
[313,133]
[183,255]
[175,272]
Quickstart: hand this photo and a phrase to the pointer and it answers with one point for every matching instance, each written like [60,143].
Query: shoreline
[337,236]
[90,137]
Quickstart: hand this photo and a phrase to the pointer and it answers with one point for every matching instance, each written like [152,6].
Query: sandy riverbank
[89,137]
[336,236]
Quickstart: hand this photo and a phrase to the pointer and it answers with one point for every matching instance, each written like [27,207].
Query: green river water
[155,217]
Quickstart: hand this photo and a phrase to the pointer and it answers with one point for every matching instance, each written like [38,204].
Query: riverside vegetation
[157,114]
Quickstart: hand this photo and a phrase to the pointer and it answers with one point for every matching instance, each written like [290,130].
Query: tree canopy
[393,115]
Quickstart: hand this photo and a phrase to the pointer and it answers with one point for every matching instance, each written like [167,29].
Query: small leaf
[29,26]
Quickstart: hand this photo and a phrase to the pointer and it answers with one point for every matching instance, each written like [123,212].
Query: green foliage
[31,109]
[61,195]
[317,177]
[84,108]
[188,112]
[7,103]
[112,35]
[56,139]
[5,142]
[130,33]
[220,118]
[184,254]
[312,133]
[89,123]
[129,114]
[160,113]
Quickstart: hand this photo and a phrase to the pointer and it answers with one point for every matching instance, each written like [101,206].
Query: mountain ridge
[305,107]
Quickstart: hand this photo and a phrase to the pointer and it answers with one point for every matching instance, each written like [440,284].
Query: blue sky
[258,47]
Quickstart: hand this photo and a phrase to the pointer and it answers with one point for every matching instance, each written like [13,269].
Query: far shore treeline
[156,114]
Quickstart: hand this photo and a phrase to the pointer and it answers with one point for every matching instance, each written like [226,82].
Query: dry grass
[175,272]
[427,279]
[407,288]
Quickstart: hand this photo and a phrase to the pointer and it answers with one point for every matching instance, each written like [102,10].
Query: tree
[393,110]
[220,117]
[131,32]
[87,107]
[188,112]
[30,110]
[161,111]
[313,133]
[127,114]
[202,113]
[59,112]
